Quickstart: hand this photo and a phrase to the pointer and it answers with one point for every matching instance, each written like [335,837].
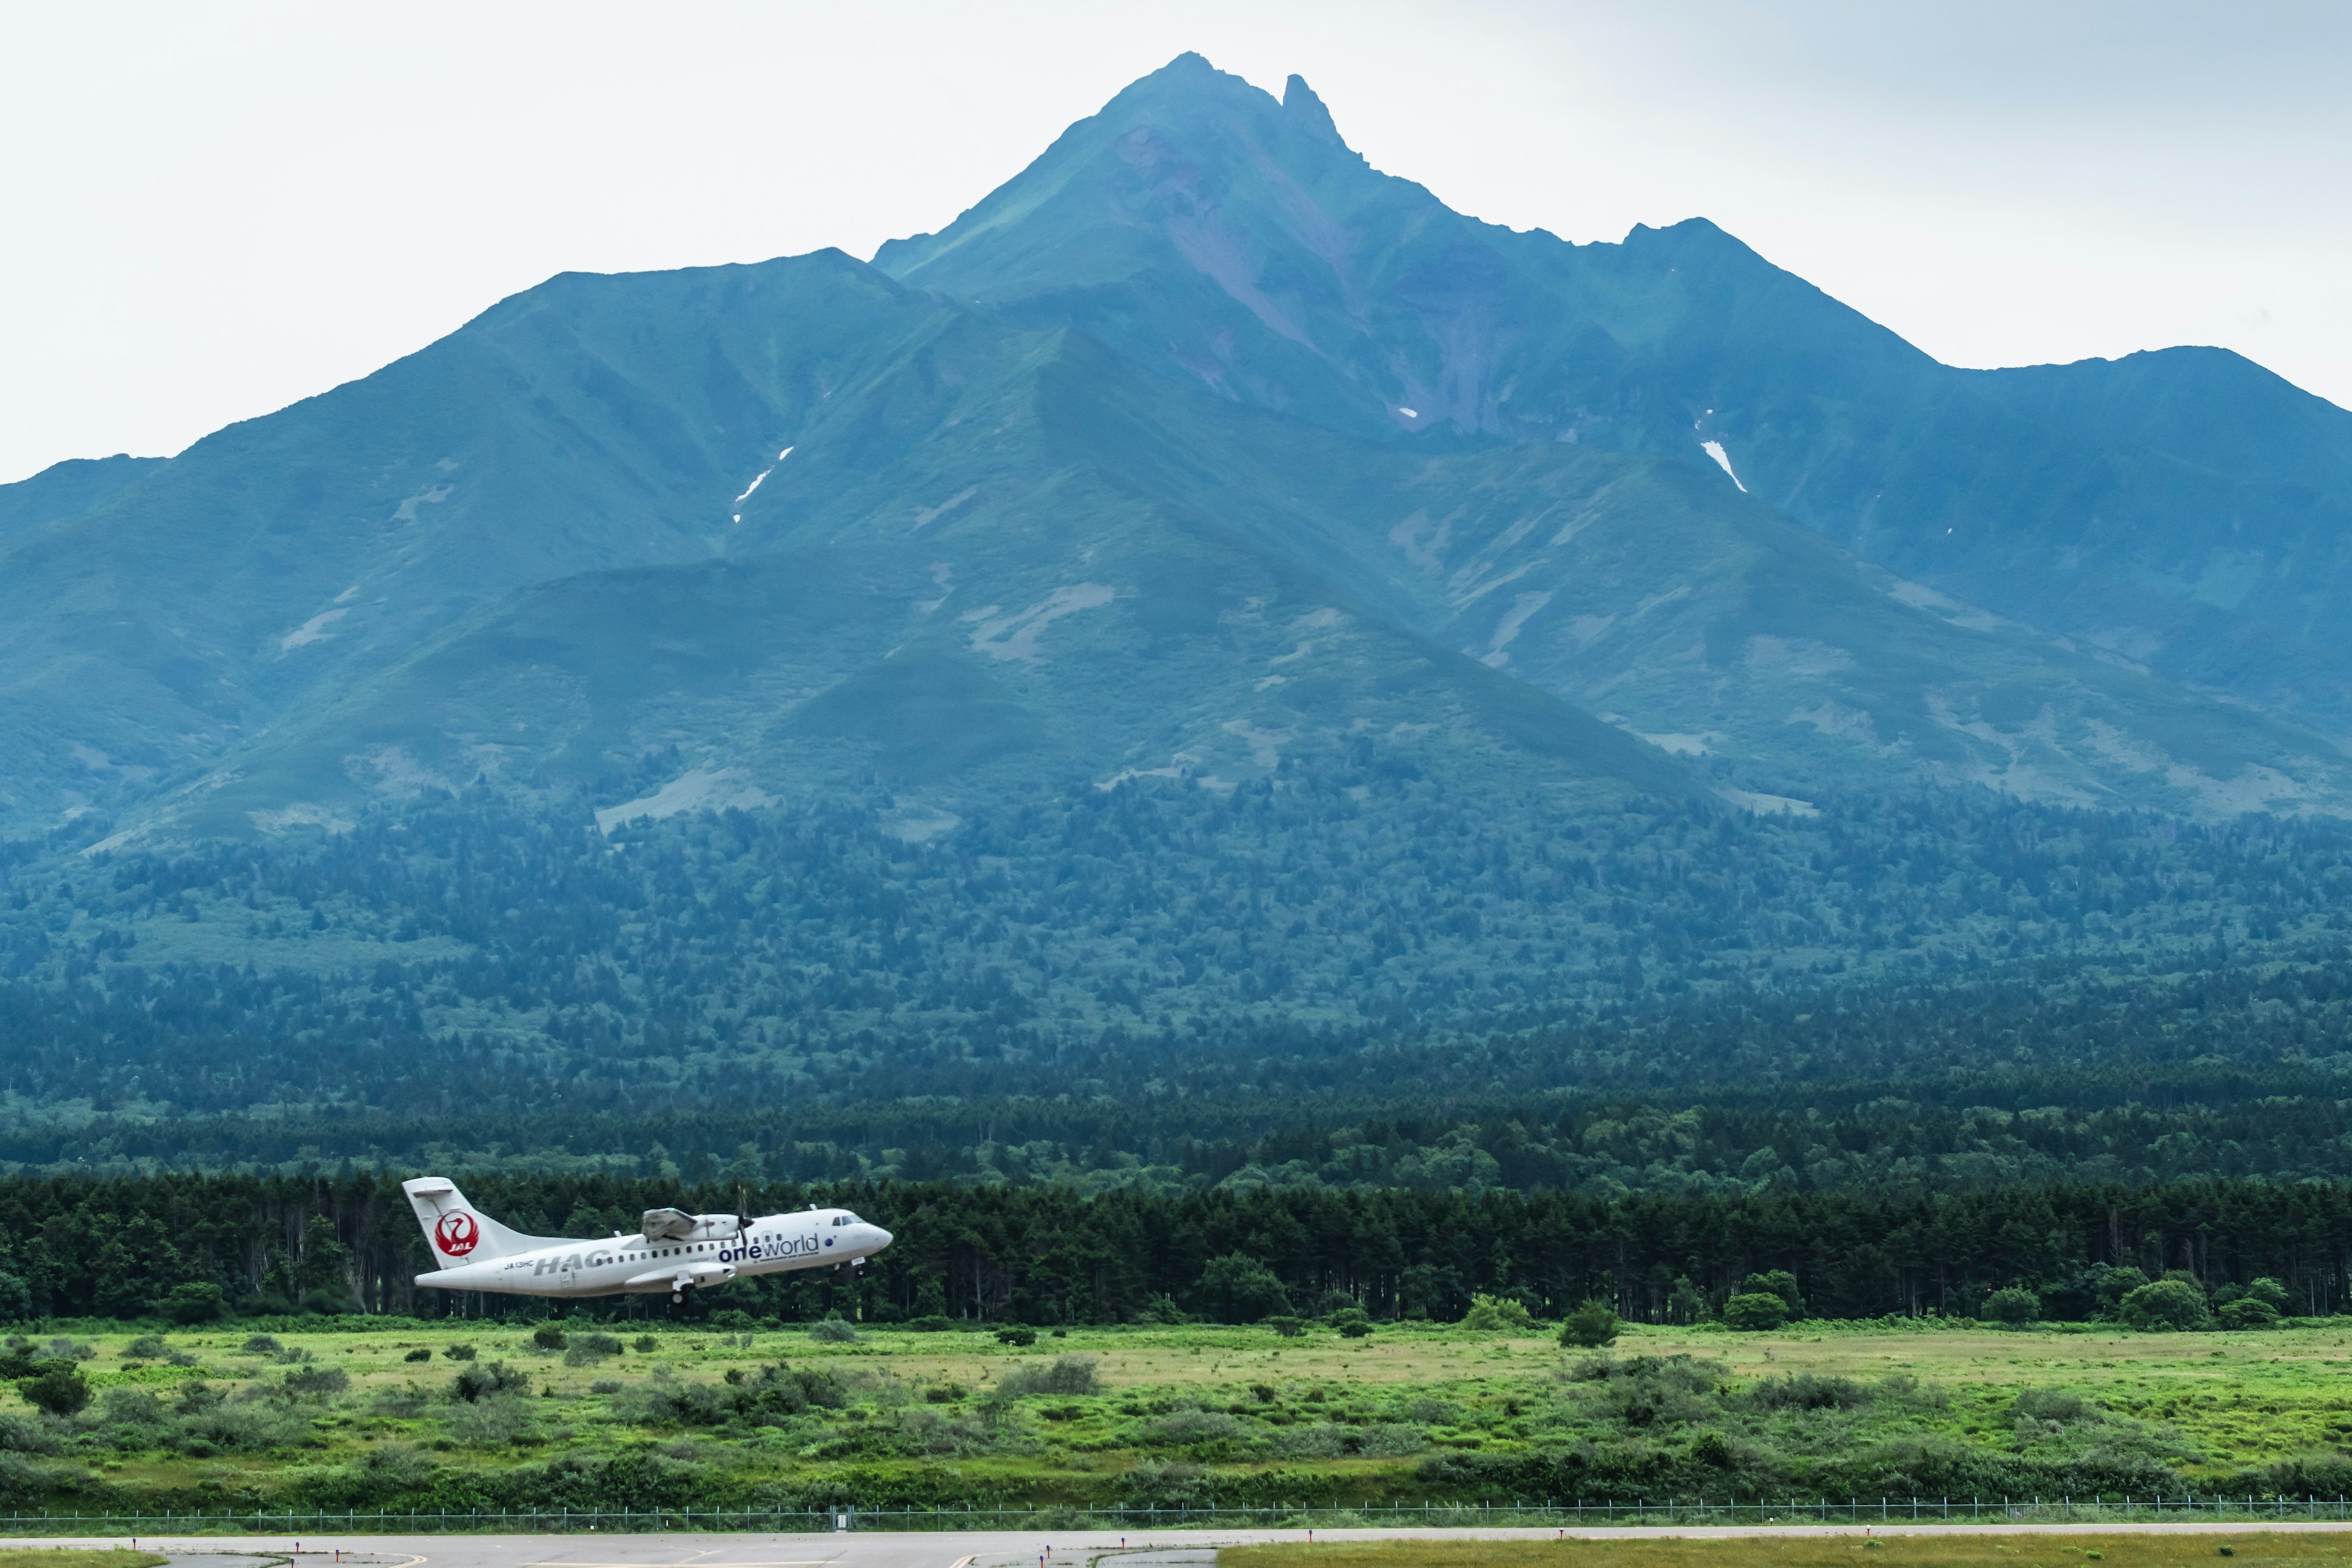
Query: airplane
[672,1251]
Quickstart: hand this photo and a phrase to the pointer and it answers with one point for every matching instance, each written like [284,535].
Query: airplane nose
[882,1236]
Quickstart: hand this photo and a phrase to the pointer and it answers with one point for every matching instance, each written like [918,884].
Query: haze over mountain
[1204,477]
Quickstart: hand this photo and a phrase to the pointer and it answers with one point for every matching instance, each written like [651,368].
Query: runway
[1008,1549]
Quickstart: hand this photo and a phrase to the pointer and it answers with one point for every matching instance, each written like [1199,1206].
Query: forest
[1031,992]
[198,1247]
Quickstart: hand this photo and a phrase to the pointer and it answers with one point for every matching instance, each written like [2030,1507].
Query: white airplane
[672,1251]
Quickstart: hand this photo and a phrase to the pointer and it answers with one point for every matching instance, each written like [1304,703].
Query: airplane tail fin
[458,1232]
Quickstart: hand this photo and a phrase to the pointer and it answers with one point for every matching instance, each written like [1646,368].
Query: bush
[419,1354]
[1498,1314]
[2012,1304]
[1803,1391]
[60,1391]
[459,1352]
[1756,1310]
[1288,1327]
[1016,1335]
[550,1337]
[1238,1288]
[831,1331]
[2247,1312]
[933,1324]
[146,1347]
[317,1380]
[480,1382]
[195,1301]
[1354,1328]
[1776,1282]
[261,1344]
[1068,1374]
[1591,1325]
[2168,1303]
[944,1393]
[644,1345]
[2052,1404]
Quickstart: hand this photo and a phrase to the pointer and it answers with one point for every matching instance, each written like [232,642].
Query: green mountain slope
[2185,509]
[592,422]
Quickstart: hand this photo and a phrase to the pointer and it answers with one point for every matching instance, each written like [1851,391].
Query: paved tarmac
[1008,1549]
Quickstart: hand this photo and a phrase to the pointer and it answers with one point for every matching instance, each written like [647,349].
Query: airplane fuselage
[772,1244]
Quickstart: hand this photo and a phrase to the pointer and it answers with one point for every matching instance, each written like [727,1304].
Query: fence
[1695,1511]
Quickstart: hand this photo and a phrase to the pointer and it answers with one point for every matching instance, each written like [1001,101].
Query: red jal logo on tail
[457,1234]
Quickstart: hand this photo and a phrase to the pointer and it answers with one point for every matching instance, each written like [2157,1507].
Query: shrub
[491,1422]
[2168,1303]
[194,1301]
[1068,1374]
[1239,1288]
[1776,1282]
[317,1380]
[1591,1325]
[459,1352]
[550,1337]
[1497,1315]
[1756,1310]
[2052,1404]
[394,1468]
[261,1344]
[644,1345]
[146,1347]
[833,1330]
[60,1391]
[781,1390]
[933,1324]
[1288,1327]
[1803,1391]
[944,1393]
[478,1383]
[419,1354]
[1354,1328]
[2012,1304]
[1016,1335]
[2247,1312]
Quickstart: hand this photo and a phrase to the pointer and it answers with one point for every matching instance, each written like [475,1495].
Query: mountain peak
[1299,102]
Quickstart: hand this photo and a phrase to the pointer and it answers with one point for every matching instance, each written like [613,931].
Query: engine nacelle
[677,1224]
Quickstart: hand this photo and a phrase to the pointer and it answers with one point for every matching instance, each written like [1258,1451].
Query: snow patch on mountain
[1723,460]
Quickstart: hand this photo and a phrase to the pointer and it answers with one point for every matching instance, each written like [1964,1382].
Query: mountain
[2183,508]
[1210,605]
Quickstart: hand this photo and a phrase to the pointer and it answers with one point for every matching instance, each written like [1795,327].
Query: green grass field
[2121,1550]
[1174,1416]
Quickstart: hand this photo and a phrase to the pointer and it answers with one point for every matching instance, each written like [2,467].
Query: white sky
[212,210]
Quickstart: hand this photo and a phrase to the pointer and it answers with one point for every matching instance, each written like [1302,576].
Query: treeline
[464,956]
[2024,1079]
[177,1244]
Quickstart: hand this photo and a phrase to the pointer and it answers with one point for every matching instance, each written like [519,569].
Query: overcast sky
[212,210]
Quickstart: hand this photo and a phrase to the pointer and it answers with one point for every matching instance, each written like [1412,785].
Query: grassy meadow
[2121,1550]
[484,1414]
